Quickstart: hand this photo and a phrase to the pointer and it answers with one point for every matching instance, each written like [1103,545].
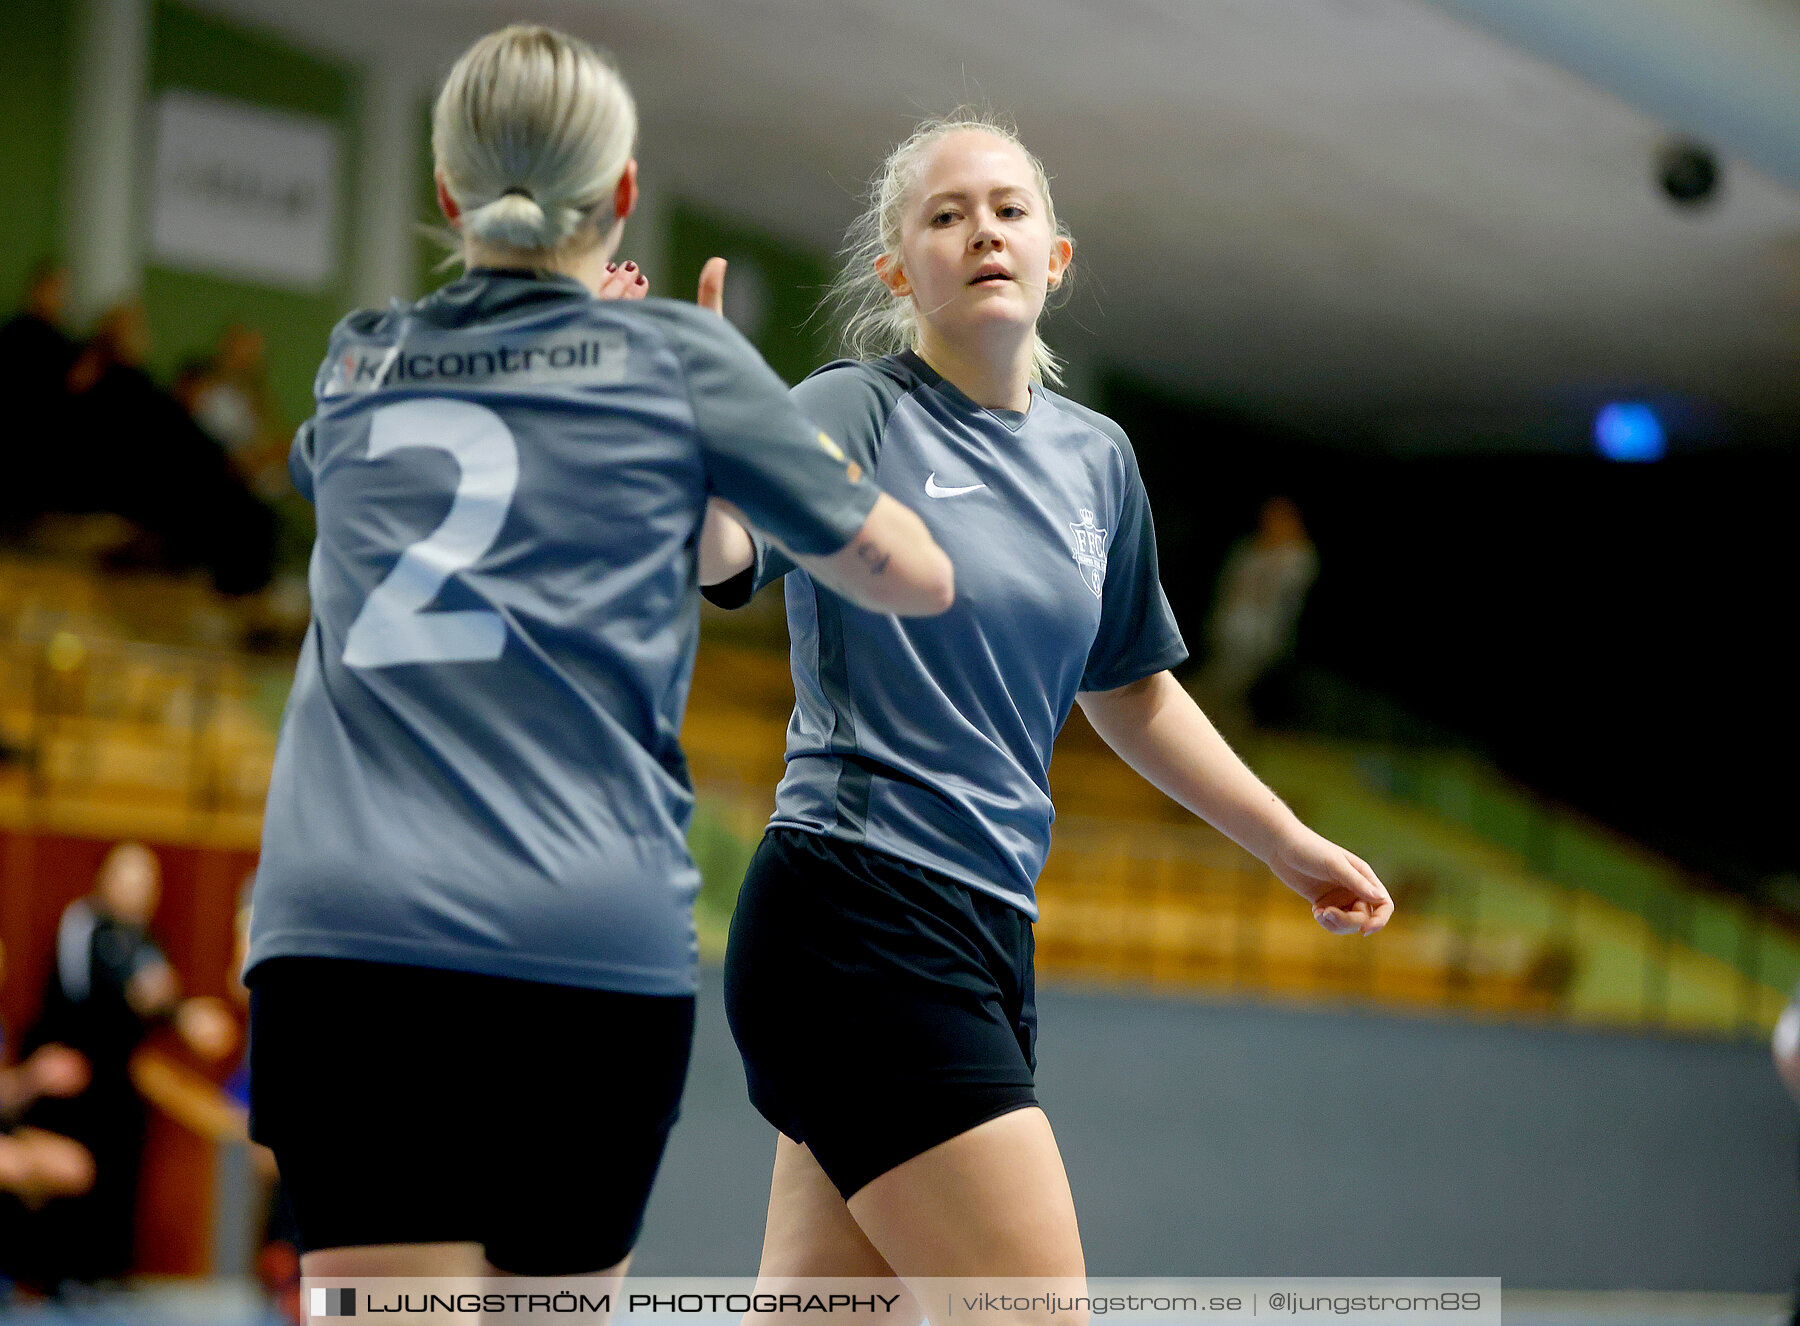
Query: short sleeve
[1138,636]
[850,402]
[789,477]
[300,460]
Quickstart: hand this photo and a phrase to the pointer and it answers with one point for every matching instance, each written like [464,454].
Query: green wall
[198,51]
[794,339]
[34,106]
[192,50]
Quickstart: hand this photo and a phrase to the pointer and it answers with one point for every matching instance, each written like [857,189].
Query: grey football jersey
[930,738]
[478,768]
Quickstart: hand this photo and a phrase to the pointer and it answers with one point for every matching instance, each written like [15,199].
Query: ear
[892,276]
[1062,253]
[625,195]
[447,204]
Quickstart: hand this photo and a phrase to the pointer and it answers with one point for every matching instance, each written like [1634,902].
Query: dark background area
[1611,634]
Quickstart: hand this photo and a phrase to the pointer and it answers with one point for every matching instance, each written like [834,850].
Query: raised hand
[623,280]
[712,286]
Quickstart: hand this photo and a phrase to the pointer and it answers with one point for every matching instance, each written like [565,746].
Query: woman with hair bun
[879,979]
[472,952]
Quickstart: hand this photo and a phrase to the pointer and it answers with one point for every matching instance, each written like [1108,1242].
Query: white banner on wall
[241,191]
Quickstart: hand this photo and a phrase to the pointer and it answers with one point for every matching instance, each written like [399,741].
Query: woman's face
[977,254]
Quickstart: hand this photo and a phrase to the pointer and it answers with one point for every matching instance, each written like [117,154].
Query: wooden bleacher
[157,738]
[1136,891]
[121,715]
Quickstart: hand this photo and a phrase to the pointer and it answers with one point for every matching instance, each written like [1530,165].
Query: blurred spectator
[140,455]
[108,988]
[35,1165]
[94,433]
[228,396]
[1256,609]
[37,348]
[35,356]
[1786,1048]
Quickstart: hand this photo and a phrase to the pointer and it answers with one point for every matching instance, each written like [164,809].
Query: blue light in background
[1630,433]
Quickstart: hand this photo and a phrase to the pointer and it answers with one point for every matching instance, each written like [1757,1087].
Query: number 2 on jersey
[393,626]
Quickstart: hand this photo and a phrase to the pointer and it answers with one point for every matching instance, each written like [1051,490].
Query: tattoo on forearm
[873,556]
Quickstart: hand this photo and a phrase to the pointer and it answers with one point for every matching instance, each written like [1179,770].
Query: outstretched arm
[1156,728]
[892,564]
[725,547]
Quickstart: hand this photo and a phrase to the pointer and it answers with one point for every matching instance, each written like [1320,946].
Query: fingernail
[631,266]
[642,279]
[612,266]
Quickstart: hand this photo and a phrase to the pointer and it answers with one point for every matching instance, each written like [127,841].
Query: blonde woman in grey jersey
[879,979]
[472,956]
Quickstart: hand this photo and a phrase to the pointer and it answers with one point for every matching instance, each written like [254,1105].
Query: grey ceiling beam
[1725,71]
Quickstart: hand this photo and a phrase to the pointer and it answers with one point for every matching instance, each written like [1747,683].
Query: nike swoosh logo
[932,489]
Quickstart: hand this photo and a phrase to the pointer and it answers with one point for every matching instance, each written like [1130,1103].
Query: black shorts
[881,1008]
[415,1105]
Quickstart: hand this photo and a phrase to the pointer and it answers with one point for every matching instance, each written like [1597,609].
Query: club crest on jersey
[1090,551]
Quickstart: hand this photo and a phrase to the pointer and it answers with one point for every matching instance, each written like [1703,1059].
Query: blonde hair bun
[531,131]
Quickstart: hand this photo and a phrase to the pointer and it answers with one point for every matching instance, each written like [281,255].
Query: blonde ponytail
[531,132]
